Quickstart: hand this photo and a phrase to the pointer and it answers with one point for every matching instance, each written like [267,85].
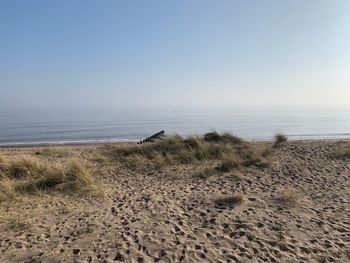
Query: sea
[36,127]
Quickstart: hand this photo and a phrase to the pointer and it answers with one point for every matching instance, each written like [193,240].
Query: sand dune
[297,209]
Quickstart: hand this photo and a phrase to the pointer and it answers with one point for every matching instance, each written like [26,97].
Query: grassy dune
[210,198]
[27,174]
[33,173]
[230,151]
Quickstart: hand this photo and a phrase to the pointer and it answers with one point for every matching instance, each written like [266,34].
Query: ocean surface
[94,126]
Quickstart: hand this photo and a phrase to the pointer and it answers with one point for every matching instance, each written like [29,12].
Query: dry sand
[171,215]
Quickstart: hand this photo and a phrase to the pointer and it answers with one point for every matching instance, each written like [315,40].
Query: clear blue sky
[63,54]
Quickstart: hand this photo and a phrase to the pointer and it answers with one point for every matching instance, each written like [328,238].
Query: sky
[88,54]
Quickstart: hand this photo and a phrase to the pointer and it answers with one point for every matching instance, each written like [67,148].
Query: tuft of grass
[251,158]
[20,167]
[225,137]
[267,152]
[51,177]
[73,178]
[7,188]
[228,164]
[79,179]
[4,217]
[279,139]
[3,164]
[230,201]
[212,137]
[289,197]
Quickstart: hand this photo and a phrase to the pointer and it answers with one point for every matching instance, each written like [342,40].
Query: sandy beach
[292,206]
[175,131]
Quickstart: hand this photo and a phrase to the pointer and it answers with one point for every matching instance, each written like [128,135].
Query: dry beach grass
[211,198]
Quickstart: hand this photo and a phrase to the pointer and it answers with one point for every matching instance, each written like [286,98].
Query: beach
[174,131]
[284,203]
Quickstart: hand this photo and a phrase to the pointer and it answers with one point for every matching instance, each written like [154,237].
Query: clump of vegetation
[266,152]
[229,201]
[3,217]
[50,178]
[71,178]
[78,178]
[53,152]
[224,138]
[280,139]
[229,163]
[253,158]
[19,167]
[229,149]
[289,197]
[7,188]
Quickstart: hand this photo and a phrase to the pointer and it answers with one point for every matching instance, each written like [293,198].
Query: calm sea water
[59,127]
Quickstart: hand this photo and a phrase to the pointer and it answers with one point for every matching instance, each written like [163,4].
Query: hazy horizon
[89,54]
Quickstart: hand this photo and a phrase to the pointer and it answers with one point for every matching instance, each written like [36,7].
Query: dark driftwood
[157,135]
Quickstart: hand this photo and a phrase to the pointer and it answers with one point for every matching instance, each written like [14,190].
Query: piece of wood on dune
[153,137]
